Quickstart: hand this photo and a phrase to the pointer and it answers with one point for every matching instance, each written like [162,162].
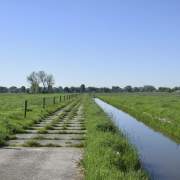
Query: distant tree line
[42,83]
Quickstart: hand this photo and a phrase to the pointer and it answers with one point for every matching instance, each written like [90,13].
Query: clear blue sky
[96,42]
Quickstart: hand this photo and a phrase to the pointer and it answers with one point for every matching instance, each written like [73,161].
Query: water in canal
[159,155]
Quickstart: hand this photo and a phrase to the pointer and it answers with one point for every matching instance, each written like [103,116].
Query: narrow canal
[159,155]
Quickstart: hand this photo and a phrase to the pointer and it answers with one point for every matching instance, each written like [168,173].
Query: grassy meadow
[161,111]
[107,153]
[12,111]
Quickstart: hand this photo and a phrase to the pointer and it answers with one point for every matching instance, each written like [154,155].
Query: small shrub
[127,161]
[106,127]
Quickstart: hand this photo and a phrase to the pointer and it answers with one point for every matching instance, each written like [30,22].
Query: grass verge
[108,155]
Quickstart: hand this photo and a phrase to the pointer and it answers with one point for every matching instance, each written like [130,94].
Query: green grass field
[12,112]
[159,111]
[108,155]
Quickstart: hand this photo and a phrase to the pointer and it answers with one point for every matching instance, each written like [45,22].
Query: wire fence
[44,102]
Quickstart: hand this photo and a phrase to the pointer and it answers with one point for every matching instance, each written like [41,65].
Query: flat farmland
[72,133]
[12,107]
[161,111]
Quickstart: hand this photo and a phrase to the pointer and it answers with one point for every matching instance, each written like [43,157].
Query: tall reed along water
[159,155]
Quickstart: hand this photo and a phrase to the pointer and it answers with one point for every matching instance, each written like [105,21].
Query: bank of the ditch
[108,155]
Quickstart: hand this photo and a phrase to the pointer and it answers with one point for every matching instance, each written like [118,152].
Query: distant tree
[92,89]
[82,88]
[77,89]
[41,89]
[149,88]
[60,89]
[164,89]
[50,82]
[43,79]
[141,89]
[28,90]
[128,89]
[55,90]
[13,89]
[116,89]
[73,89]
[3,89]
[106,90]
[136,89]
[33,79]
[22,89]
[66,90]
[176,89]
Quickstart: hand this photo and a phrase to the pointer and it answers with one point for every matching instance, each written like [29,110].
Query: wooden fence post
[44,102]
[59,98]
[25,108]
[54,100]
